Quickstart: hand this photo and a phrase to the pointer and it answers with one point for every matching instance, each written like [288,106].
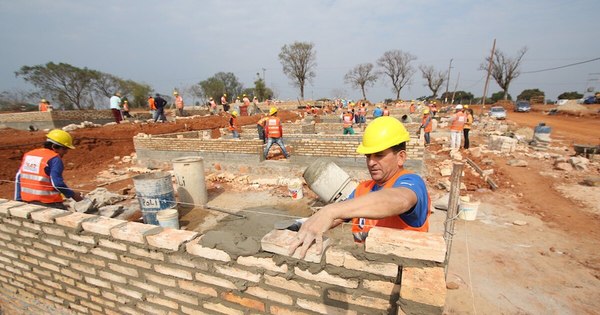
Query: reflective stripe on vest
[179,102]
[459,122]
[361,226]
[35,183]
[429,126]
[273,125]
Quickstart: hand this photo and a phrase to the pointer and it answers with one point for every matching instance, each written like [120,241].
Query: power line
[565,66]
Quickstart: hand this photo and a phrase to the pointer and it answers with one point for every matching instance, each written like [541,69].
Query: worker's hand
[77,196]
[312,231]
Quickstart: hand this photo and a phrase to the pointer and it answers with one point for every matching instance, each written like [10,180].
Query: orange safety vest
[273,127]
[36,185]
[412,108]
[151,103]
[363,226]
[429,126]
[458,122]
[386,112]
[347,120]
[179,102]
[43,107]
[232,124]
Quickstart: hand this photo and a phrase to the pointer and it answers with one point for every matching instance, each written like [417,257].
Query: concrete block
[324,276]
[134,232]
[406,244]
[25,210]
[74,219]
[170,238]
[341,258]
[101,225]
[194,248]
[279,241]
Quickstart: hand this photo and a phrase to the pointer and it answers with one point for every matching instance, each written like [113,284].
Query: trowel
[292,225]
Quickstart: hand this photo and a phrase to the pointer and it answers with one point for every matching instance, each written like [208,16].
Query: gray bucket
[329,181]
[155,193]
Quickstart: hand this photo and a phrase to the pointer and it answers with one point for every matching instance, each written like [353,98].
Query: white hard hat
[459,106]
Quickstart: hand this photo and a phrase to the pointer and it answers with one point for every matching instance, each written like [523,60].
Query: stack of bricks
[98,265]
[502,144]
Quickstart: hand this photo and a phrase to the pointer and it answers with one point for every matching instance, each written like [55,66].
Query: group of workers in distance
[394,197]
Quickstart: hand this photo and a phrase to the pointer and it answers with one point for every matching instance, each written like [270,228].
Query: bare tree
[396,65]
[299,61]
[435,79]
[504,69]
[361,76]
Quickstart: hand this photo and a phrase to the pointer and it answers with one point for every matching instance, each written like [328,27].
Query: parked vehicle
[561,102]
[590,100]
[498,112]
[522,106]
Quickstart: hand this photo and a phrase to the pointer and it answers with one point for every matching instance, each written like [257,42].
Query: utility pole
[447,82]
[455,87]
[487,80]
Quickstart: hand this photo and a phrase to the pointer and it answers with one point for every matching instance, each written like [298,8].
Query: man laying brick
[394,198]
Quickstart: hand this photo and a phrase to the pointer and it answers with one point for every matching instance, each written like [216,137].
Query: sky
[175,44]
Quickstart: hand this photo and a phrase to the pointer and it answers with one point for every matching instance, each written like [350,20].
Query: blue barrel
[155,193]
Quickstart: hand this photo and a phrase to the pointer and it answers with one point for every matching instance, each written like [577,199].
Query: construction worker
[260,126]
[233,126]
[433,109]
[347,119]
[386,111]
[115,107]
[457,123]
[126,109]
[412,107]
[152,106]
[40,176]
[213,106]
[467,126]
[244,107]
[274,133]
[427,126]
[43,105]
[224,103]
[377,112]
[178,103]
[160,104]
[393,198]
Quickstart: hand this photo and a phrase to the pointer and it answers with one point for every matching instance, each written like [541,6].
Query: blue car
[590,100]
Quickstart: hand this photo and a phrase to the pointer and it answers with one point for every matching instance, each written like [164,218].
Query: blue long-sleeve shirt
[55,170]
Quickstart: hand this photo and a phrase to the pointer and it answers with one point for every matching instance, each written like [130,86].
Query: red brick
[179,273]
[194,248]
[180,297]
[322,308]
[382,287]
[144,286]
[124,270]
[136,262]
[134,232]
[237,273]
[218,281]
[324,276]
[162,302]
[112,245]
[5,206]
[197,288]
[25,210]
[161,280]
[143,252]
[222,309]
[265,263]
[246,302]
[361,300]
[73,220]
[279,241]
[406,244]
[54,231]
[103,253]
[278,310]
[111,276]
[293,286]
[425,285]
[170,239]
[88,239]
[270,295]
[132,293]
[101,225]
[345,259]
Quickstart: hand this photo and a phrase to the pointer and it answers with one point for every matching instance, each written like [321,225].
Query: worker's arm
[55,170]
[374,205]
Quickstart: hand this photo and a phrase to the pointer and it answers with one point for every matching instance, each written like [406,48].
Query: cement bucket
[155,193]
[295,189]
[189,175]
[168,218]
[468,210]
[329,181]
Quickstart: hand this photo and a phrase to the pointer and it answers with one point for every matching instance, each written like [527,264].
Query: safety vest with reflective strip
[43,107]
[386,112]
[273,127]
[426,123]
[151,103]
[232,124]
[35,183]
[179,102]
[361,226]
[347,120]
[458,122]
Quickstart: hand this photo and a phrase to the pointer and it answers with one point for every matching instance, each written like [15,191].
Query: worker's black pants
[466,134]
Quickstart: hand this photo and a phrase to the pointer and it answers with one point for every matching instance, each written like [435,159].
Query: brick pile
[97,265]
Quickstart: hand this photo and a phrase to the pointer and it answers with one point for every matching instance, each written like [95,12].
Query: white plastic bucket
[329,181]
[295,189]
[189,174]
[468,210]
[168,218]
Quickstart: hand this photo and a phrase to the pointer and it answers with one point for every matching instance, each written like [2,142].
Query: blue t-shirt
[55,170]
[378,112]
[417,215]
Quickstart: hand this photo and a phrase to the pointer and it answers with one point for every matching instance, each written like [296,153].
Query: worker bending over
[393,198]
[40,176]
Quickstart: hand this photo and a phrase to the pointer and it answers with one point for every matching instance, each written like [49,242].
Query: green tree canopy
[570,96]
[500,95]
[459,96]
[261,91]
[299,61]
[221,82]
[526,95]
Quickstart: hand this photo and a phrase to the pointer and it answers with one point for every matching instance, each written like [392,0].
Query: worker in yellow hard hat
[40,176]
[393,198]
[427,126]
[43,105]
[274,133]
[224,103]
[233,125]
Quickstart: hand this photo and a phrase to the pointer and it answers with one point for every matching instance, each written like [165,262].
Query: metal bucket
[155,193]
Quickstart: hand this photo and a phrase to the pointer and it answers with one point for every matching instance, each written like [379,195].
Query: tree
[570,96]
[396,65]
[261,91]
[70,85]
[299,61]
[504,69]
[459,96]
[500,95]
[361,76]
[220,83]
[434,78]
[531,93]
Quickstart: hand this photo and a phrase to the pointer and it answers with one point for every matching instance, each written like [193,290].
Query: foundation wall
[97,265]
[54,119]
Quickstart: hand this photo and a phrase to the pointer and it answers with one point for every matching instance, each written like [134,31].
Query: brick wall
[97,265]
[54,119]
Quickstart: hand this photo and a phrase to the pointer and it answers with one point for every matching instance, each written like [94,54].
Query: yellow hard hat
[224,94]
[43,100]
[426,111]
[466,106]
[273,110]
[244,94]
[175,93]
[126,101]
[61,138]
[383,133]
[234,113]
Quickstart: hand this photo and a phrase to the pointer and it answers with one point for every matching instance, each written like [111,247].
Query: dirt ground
[550,265]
